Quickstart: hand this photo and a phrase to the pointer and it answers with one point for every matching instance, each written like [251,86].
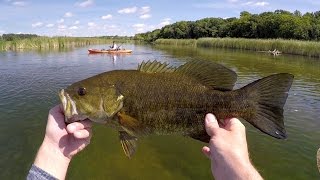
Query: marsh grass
[50,43]
[296,47]
[177,42]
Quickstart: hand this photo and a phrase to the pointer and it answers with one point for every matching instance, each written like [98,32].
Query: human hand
[228,150]
[61,143]
[68,139]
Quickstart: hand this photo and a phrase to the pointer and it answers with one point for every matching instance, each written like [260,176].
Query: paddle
[119,46]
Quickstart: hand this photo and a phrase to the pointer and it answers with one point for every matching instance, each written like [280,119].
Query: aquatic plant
[51,42]
[296,47]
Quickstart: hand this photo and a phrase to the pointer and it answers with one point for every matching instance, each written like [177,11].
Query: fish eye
[82,91]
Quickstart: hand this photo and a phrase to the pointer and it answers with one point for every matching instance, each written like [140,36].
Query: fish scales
[164,100]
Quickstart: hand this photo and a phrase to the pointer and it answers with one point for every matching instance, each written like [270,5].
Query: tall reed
[296,47]
[51,43]
[177,42]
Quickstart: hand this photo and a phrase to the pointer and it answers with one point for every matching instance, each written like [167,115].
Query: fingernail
[72,128]
[210,118]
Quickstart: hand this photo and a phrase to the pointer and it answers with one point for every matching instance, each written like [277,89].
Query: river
[30,81]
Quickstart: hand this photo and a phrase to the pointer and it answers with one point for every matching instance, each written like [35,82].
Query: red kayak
[111,51]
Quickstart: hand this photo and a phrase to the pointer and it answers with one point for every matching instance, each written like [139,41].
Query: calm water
[29,82]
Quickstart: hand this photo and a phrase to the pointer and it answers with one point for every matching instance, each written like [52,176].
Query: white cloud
[128,10]
[19,3]
[61,27]
[139,27]
[85,3]
[68,14]
[109,16]
[73,27]
[37,24]
[110,26]
[144,10]
[145,16]
[252,3]
[49,25]
[261,3]
[232,4]
[165,22]
[91,24]
[76,22]
[213,5]
[60,21]
[2,31]
[113,26]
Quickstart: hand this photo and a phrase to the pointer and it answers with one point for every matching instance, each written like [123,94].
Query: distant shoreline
[294,47]
[48,43]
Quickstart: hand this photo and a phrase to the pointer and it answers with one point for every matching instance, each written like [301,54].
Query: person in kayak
[114,46]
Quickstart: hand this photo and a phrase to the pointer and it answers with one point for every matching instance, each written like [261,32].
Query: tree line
[277,24]
[11,36]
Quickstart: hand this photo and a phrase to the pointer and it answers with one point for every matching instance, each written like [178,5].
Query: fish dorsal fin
[155,67]
[210,74]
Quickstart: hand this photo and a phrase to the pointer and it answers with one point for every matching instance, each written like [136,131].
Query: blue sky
[125,17]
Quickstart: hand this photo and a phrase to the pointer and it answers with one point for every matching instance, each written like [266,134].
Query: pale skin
[227,148]
[61,142]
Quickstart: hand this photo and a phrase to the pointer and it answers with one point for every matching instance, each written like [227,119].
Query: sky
[125,17]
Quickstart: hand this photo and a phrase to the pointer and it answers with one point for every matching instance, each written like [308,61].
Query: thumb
[211,124]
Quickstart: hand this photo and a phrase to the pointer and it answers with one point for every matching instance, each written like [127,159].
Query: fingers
[84,133]
[211,124]
[233,124]
[206,151]
[80,129]
[75,126]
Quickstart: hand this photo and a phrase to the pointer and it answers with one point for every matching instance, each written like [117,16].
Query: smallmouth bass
[160,99]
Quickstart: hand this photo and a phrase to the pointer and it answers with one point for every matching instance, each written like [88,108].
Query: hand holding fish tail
[61,143]
[228,150]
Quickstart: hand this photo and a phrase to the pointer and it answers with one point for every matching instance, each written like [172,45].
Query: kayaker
[114,46]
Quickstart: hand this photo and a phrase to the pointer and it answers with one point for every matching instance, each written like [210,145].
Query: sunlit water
[29,82]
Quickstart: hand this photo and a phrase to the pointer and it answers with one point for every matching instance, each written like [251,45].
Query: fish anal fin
[210,74]
[128,143]
[155,67]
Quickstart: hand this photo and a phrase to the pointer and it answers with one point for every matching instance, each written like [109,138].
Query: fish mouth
[69,108]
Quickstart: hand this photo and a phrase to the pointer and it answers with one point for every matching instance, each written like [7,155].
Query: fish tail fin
[269,94]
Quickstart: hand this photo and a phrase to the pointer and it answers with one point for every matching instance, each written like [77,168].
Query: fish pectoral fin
[131,125]
[210,74]
[128,143]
